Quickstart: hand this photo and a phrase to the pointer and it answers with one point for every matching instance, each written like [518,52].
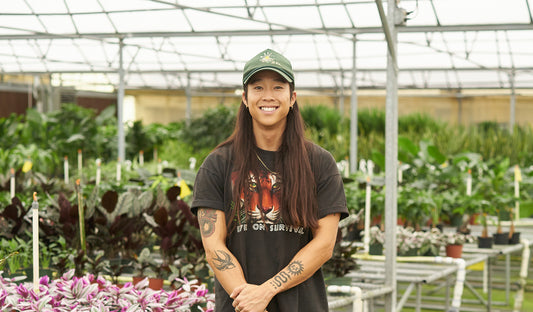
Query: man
[269,201]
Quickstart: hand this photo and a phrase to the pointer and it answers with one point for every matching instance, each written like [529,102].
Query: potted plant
[377,238]
[146,266]
[432,240]
[454,242]
[408,241]
[503,202]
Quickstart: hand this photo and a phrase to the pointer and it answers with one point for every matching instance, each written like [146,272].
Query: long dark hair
[298,198]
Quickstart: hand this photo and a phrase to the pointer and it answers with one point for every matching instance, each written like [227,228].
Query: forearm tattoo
[222,261]
[283,277]
[207,219]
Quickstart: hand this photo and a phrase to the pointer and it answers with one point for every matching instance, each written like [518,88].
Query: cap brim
[255,71]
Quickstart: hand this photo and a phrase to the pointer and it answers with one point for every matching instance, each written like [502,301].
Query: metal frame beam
[270,32]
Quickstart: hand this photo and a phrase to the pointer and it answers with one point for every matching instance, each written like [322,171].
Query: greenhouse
[109,108]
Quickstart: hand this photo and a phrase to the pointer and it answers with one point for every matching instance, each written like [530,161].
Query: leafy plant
[177,229]
[95,293]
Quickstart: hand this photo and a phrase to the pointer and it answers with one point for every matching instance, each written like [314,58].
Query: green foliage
[210,129]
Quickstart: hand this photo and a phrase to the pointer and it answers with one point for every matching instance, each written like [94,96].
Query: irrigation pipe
[459,281]
[519,298]
[357,296]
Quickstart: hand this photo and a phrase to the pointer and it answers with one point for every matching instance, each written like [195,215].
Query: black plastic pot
[375,249]
[484,242]
[515,239]
[501,238]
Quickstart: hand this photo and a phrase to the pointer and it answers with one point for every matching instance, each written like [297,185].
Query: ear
[293,98]
[244,99]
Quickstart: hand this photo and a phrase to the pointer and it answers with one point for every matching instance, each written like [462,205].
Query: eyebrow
[280,80]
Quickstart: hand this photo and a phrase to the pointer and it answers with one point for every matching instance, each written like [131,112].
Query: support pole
[341,95]
[391,151]
[120,104]
[188,111]
[353,112]
[512,113]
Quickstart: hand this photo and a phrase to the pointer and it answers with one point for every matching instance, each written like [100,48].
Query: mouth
[268,108]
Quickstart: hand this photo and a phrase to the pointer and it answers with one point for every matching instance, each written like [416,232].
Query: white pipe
[357,297]
[459,262]
[519,297]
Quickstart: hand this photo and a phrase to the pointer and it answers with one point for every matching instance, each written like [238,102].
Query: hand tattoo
[223,263]
[207,219]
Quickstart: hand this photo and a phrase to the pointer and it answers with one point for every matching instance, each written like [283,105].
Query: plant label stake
[12,183]
[192,163]
[141,158]
[98,171]
[159,167]
[65,169]
[119,170]
[368,168]
[35,228]
[400,172]
[155,154]
[469,183]
[80,164]
[517,180]
[81,215]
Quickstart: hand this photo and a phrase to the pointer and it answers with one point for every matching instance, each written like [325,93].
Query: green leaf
[436,154]
[379,159]
[408,145]
[75,137]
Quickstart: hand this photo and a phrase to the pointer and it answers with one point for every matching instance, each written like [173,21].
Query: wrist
[269,289]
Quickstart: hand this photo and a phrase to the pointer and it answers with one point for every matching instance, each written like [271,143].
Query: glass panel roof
[449,44]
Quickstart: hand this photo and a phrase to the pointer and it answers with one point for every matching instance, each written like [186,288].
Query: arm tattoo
[223,261]
[293,269]
[207,219]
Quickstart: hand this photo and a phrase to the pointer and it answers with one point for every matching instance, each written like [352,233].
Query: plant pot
[454,251]
[484,242]
[515,239]
[136,279]
[501,238]
[155,283]
[375,249]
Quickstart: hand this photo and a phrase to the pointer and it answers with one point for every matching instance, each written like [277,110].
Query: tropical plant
[407,239]
[90,293]
[377,236]
[457,238]
[432,240]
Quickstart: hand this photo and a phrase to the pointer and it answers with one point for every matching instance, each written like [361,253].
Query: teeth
[268,109]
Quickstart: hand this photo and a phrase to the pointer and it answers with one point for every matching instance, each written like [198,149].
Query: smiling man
[269,201]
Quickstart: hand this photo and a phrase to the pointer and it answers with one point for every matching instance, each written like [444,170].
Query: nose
[268,94]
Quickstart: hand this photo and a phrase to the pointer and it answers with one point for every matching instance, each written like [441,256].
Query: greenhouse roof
[447,44]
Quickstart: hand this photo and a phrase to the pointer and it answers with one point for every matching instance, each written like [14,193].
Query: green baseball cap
[268,60]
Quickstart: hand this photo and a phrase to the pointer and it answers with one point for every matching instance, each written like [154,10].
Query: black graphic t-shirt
[262,243]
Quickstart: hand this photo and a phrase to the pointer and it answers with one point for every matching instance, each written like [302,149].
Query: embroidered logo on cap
[267,58]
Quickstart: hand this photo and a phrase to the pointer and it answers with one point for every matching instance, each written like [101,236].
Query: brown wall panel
[13,102]
[97,103]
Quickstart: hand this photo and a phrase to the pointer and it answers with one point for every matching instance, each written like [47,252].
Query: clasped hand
[250,298]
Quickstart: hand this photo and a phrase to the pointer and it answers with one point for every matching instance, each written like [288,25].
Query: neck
[268,140]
